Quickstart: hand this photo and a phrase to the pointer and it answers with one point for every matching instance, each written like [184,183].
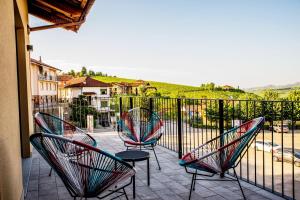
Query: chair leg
[195,181]
[50,172]
[125,194]
[239,183]
[192,186]
[156,158]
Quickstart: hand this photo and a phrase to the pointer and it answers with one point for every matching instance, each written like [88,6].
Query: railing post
[151,105]
[179,125]
[221,119]
[130,102]
[120,110]
[221,128]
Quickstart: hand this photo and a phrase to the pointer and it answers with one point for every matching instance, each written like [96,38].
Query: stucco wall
[34,79]
[10,156]
[11,186]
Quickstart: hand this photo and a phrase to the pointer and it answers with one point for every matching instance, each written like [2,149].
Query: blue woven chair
[140,128]
[222,153]
[86,171]
[54,125]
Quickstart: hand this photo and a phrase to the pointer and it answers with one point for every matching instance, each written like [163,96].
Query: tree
[91,73]
[83,71]
[72,73]
[270,94]
[208,86]
[294,95]
[99,74]
[80,109]
[294,105]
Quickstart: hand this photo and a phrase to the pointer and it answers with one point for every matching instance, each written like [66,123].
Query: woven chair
[86,171]
[140,128]
[54,125]
[222,153]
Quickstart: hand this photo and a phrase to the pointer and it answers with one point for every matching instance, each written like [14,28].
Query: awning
[69,14]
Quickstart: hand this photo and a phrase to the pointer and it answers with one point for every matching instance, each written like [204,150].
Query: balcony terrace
[171,183]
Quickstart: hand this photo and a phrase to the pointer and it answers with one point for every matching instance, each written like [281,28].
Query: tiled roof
[34,61]
[85,82]
[64,77]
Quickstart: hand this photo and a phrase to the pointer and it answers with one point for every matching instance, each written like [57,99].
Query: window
[89,99]
[104,104]
[40,69]
[103,91]
[42,86]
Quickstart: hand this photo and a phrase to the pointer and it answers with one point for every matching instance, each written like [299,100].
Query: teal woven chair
[54,125]
[220,154]
[86,171]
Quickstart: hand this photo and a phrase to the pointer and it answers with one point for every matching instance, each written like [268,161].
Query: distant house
[194,110]
[97,93]
[62,81]
[121,88]
[227,87]
[124,88]
[44,85]
[87,86]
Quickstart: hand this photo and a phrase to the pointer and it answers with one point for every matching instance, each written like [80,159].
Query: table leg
[148,172]
[133,181]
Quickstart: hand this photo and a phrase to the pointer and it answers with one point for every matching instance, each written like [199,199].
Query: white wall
[75,92]
[34,79]
[47,91]
[64,93]
[36,83]
[96,90]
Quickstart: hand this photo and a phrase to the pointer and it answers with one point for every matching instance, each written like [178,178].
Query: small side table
[135,156]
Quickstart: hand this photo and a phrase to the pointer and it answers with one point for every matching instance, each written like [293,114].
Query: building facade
[96,92]
[63,93]
[44,83]
[16,121]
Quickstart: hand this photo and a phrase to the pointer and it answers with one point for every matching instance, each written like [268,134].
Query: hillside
[175,90]
[283,90]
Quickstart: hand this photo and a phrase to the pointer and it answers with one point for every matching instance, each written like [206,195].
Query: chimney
[40,58]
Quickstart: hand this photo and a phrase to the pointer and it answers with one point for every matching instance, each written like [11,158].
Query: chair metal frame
[68,157]
[224,174]
[137,144]
[79,134]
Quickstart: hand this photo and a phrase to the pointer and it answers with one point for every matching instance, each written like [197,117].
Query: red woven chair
[140,128]
[222,153]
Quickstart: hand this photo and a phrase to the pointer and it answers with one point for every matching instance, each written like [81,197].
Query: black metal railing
[189,123]
[76,110]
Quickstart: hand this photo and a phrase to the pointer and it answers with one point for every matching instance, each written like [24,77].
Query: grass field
[176,90]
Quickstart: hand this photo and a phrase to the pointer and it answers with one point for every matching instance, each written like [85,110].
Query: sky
[243,43]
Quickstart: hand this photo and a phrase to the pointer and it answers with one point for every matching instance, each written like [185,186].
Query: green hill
[176,90]
[283,90]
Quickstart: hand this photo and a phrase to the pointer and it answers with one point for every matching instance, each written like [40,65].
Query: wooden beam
[63,25]
[60,13]
[48,15]
[68,10]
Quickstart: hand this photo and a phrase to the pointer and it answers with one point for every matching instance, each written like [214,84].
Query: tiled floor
[171,183]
